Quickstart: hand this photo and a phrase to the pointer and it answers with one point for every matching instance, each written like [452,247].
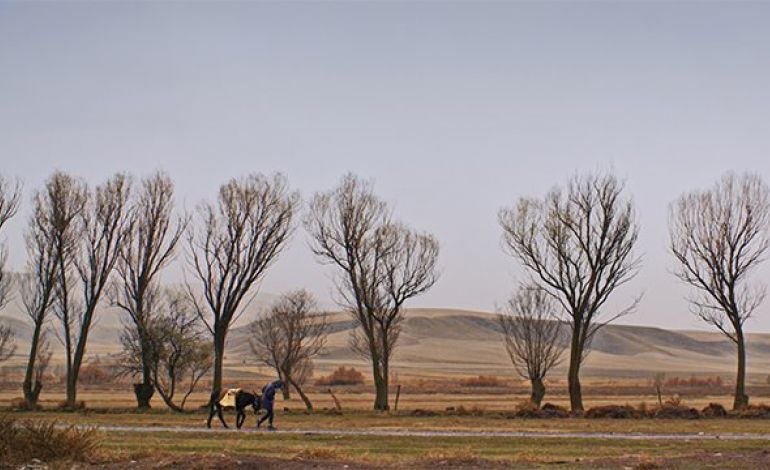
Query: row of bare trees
[577,247]
[109,245]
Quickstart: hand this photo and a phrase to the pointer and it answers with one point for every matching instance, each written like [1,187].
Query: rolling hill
[441,342]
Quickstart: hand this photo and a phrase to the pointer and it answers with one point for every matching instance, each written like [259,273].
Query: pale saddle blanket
[228,399]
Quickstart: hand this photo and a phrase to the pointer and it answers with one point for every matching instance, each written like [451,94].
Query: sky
[452,110]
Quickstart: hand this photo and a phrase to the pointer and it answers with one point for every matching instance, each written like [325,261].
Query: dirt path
[428,433]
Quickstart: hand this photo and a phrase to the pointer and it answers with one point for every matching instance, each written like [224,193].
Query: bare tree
[532,333]
[577,244]
[289,336]
[240,237]
[149,247]
[7,343]
[381,265]
[85,269]
[175,344]
[718,236]
[9,205]
[10,194]
[51,237]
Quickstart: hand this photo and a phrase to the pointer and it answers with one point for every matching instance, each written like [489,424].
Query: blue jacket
[268,393]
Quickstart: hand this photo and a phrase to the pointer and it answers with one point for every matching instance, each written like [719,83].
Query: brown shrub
[755,412]
[342,376]
[421,412]
[526,409]
[675,401]
[714,410]
[481,381]
[675,412]
[694,381]
[20,404]
[22,441]
[94,373]
[613,412]
[549,410]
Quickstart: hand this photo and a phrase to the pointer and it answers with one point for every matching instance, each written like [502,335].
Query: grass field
[226,449]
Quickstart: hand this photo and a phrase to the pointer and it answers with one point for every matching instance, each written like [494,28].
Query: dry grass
[45,440]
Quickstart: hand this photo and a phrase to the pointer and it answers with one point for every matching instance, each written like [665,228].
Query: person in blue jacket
[268,398]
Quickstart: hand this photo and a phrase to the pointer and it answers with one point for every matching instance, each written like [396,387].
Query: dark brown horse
[232,398]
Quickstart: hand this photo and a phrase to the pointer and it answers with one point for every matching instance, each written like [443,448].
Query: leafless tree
[577,244]
[85,269]
[239,238]
[289,336]
[718,236]
[9,205]
[51,238]
[381,264]
[7,342]
[149,247]
[532,333]
[10,194]
[174,343]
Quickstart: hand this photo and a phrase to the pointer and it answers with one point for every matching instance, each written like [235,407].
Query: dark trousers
[268,416]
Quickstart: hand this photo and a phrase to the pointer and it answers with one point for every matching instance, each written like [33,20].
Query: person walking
[268,398]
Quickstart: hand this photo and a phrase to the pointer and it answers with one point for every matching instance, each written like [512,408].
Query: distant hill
[438,342]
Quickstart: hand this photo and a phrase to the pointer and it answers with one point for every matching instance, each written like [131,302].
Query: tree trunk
[32,390]
[573,377]
[169,401]
[144,392]
[380,388]
[538,391]
[284,378]
[741,399]
[305,399]
[219,355]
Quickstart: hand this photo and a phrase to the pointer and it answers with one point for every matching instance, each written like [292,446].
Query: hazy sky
[453,110]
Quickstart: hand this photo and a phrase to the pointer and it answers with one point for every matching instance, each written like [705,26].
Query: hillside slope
[438,342]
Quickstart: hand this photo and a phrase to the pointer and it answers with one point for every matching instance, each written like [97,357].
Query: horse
[233,398]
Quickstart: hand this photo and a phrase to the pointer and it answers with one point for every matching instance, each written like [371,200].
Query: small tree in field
[289,336]
[532,333]
[718,237]
[175,344]
[381,265]
[577,244]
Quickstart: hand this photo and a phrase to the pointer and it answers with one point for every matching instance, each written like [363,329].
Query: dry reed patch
[46,440]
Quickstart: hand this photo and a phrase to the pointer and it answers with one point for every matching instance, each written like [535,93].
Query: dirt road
[427,433]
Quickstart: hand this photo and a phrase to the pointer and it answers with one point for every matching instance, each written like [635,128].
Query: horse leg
[211,415]
[219,413]
[240,417]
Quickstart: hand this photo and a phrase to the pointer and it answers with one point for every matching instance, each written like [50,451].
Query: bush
[755,412]
[421,412]
[481,381]
[714,410]
[94,373]
[526,409]
[613,412]
[20,404]
[22,441]
[675,412]
[342,376]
